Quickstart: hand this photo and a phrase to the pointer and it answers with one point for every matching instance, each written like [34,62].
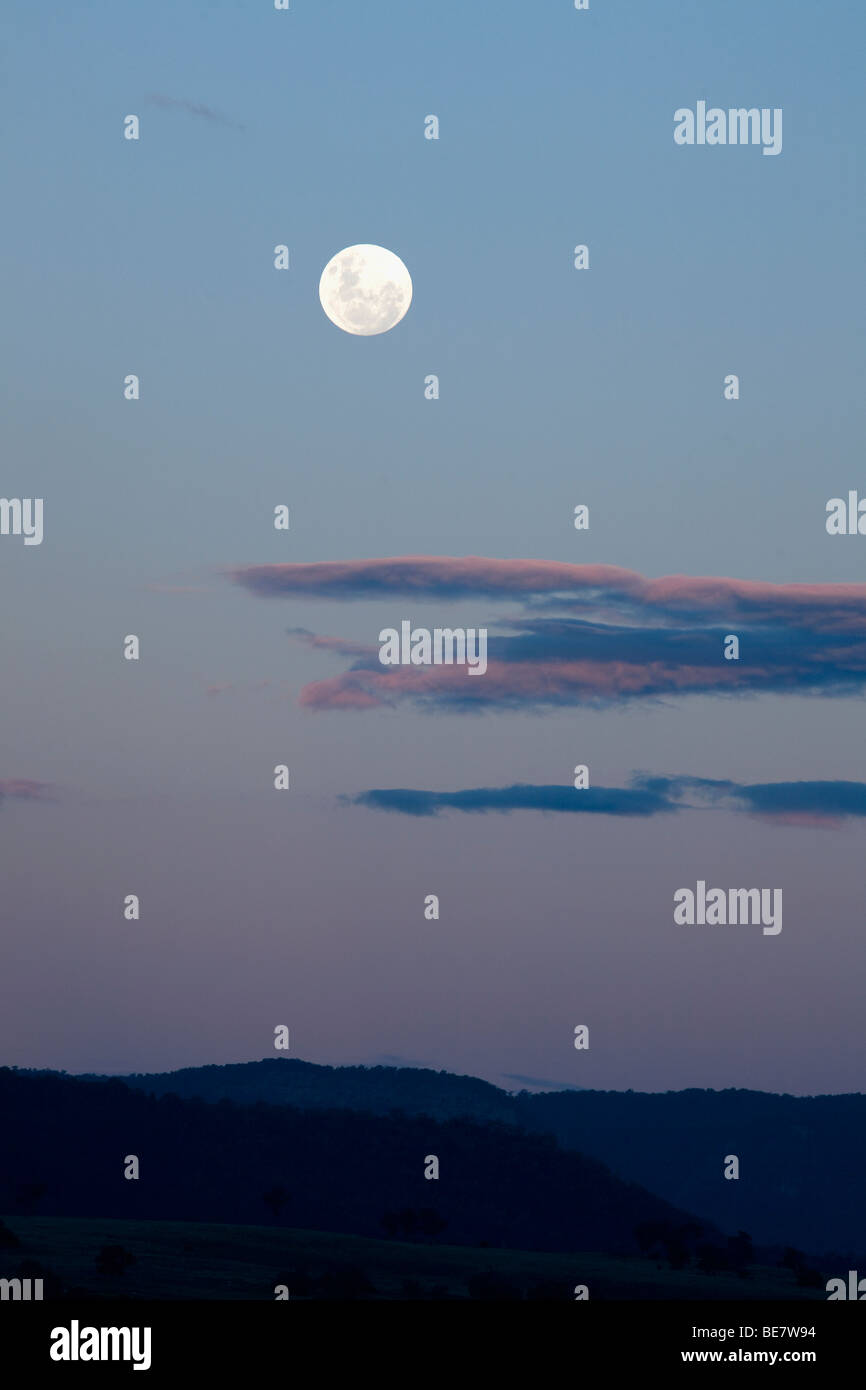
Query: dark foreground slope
[178,1260]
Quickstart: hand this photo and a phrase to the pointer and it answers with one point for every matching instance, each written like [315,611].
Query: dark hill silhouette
[67,1139]
[378,1090]
[802,1157]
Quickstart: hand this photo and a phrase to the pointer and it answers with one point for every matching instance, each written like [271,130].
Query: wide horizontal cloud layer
[590,634]
[806,803]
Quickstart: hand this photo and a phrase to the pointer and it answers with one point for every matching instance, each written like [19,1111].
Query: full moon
[365,290]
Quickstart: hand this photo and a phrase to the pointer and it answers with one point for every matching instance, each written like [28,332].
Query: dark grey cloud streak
[791,803]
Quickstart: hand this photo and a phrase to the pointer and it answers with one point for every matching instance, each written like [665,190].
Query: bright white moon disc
[365,290]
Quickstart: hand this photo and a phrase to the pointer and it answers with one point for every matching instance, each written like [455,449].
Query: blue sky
[557,387]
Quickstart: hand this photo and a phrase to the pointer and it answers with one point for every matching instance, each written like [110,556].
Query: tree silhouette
[430,1223]
[677,1241]
[390,1222]
[276,1199]
[407,1221]
[648,1235]
[792,1258]
[114,1260]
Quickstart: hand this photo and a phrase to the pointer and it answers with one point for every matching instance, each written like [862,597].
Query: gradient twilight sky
[601,387]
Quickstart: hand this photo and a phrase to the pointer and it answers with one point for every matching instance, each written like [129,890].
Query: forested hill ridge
[801,1157]
[379,1090]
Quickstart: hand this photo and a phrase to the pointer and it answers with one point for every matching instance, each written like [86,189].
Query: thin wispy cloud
[396,1059]
[813,803]
[193,108]
[26,789]
[331,644]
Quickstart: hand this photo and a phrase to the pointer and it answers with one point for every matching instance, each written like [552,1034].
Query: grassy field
[181,1260]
